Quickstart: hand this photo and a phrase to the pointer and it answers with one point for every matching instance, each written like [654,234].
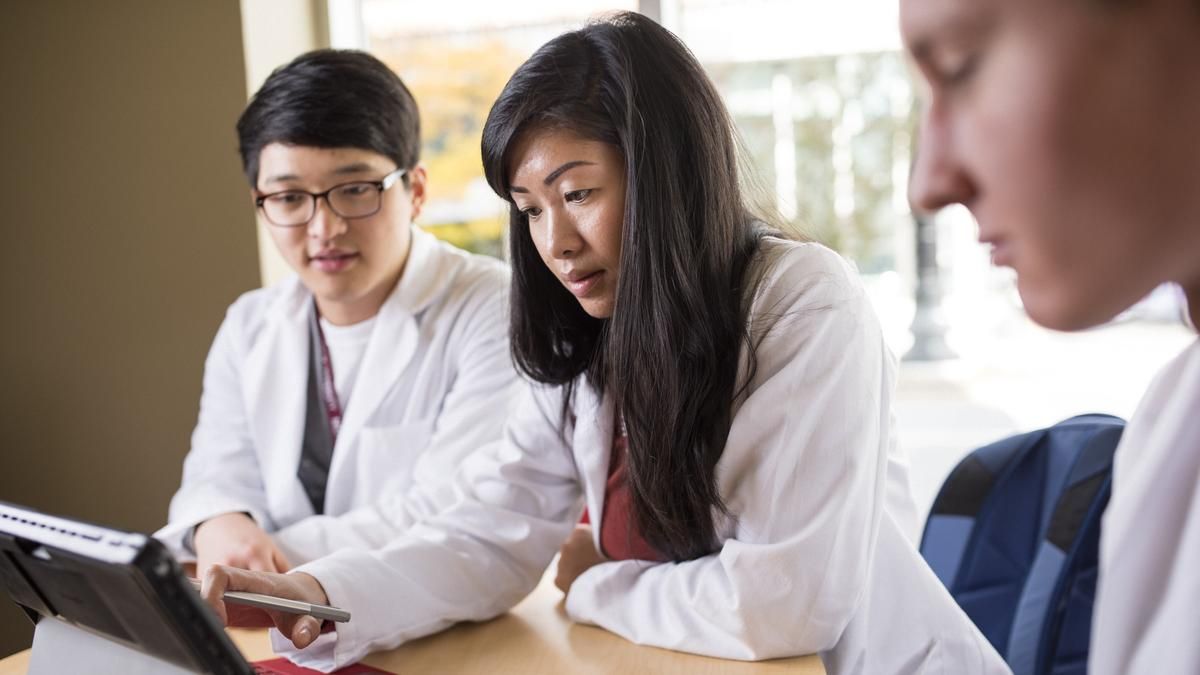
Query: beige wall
[127,230]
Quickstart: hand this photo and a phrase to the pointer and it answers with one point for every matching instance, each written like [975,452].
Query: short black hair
[332,98]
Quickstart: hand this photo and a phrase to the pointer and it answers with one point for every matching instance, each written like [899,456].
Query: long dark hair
[669,355]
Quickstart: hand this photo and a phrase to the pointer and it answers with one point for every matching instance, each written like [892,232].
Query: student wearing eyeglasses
[374,367]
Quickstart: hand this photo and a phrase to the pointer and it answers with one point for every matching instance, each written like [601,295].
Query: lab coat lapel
[593,440]
[393,345]
[275,387]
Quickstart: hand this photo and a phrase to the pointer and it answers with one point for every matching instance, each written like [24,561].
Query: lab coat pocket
[386,459]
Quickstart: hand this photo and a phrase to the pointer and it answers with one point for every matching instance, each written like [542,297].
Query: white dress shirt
[1147,614]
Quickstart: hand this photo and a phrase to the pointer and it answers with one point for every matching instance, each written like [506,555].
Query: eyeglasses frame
[382,185]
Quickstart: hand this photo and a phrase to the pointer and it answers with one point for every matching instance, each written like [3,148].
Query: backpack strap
[949,534]
[1065,551]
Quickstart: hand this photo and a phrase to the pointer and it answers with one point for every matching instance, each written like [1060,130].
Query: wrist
[190,539]
[310,587]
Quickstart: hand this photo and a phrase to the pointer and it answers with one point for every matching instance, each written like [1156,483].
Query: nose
[938,176]
[559,234]
[325,224]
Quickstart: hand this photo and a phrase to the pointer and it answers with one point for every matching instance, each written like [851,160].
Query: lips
[333,260]
[581,283]
[1000,249]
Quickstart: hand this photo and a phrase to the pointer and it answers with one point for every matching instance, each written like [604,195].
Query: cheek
[609,227]
[537,240]
[1015,122]
[378,238]
[289,242]
[1020,140]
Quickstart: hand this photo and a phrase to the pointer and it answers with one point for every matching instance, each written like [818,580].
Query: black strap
[316,450]
[1076,502]
[965,490]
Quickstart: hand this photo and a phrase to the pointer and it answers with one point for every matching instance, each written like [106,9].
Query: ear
[258,214]
[416,189]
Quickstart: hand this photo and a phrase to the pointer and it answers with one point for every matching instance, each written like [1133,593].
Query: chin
[1059,311]
[597,309]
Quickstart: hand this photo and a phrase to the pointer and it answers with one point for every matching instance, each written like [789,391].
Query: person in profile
[717,394]
[1069,129]
[374,368]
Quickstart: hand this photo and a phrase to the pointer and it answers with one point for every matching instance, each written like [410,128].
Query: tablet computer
[123,586]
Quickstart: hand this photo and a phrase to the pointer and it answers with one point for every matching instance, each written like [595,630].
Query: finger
[580,538]
[305,629]
[281,562]
[561,580]
[234,579]
[202,565]
[301,629]
[212,588]
[245,616]
[261,562]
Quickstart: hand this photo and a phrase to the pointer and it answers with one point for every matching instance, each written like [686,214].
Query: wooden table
[535,637]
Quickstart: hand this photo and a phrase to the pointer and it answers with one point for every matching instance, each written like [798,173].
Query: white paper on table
[59,647]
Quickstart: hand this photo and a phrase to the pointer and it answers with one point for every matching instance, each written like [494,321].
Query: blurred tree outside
[826,128]
[455,82]
[830,135]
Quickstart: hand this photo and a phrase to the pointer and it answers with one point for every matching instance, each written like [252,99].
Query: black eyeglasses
[359,199]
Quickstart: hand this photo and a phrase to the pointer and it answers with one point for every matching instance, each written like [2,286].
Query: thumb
[304,630]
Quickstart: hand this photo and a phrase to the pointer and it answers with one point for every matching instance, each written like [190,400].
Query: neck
[347,314]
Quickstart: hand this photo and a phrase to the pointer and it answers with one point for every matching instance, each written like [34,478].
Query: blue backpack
[1014,534]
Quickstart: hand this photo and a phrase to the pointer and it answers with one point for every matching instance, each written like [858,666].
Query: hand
[234,539]
[301,629]
[577,556]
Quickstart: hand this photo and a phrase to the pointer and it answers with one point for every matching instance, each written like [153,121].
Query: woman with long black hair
[716,395]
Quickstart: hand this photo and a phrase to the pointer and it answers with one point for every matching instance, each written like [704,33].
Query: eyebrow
[344,170]
[553,175]
[958,24]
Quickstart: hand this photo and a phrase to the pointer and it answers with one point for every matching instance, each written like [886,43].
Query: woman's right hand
[301,629]
[234,539]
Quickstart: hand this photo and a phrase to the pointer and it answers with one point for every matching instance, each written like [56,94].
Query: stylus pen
[323,612]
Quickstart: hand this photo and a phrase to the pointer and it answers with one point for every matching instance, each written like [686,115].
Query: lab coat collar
[394,340]
[424,276]
[592,440]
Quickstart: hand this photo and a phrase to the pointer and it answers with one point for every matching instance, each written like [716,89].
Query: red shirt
[619,535]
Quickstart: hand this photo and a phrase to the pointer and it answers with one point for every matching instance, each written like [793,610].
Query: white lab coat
[1147,616]
[434,384]
[817,555]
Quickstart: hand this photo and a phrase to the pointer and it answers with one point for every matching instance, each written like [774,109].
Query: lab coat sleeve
[472,414]
[517,500]
[221,473]
[803,477]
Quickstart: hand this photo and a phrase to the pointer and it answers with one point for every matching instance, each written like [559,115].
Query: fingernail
[305,633]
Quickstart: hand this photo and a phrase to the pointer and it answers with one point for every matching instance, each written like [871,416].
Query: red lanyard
[333,407]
